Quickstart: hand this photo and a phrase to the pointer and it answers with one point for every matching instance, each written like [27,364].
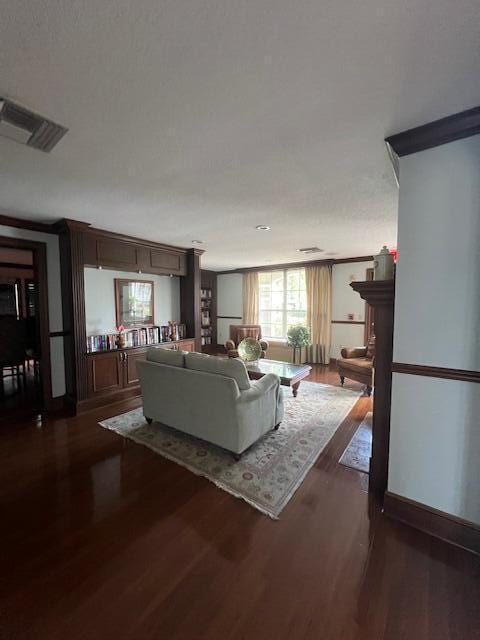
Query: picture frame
[134,302]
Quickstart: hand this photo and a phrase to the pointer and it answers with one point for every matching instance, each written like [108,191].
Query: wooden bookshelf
[208,311]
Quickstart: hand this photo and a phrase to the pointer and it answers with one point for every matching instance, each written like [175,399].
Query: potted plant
[298,336]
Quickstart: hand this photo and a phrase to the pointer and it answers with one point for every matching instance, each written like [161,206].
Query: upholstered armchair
[357,363]
[240,331]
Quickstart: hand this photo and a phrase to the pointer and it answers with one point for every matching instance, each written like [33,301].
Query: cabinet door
[114,253]
[165,261]
[130,366]
[187,345]
[105,372]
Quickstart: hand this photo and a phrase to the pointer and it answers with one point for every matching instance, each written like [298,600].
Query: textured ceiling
[200,119]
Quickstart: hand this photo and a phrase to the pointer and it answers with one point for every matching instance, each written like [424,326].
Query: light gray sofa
[209,397]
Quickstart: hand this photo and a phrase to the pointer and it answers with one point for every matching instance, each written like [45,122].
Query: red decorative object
[394,253]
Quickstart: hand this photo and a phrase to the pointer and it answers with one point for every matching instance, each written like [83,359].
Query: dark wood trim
[348,321]
[13,265]
[112,235]
[58,334]
[296,265]
[102,400]
[73,294]
[190,286]
[380,294]
[439,524]
[19,223]
[433,134]
[436,372]
[39,267]
[349,260]
[229,318]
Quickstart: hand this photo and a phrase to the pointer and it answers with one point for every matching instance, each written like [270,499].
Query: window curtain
[250,297]
[319,312]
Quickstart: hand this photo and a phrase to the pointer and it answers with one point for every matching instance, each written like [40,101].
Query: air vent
[308,250]
[26,127]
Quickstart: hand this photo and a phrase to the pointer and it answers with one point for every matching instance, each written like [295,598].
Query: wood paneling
[105,373]
[454,127]
[436,372]
[434,522]
[130,366]
[121,255]
[380,294]
[190,297]
[164,261]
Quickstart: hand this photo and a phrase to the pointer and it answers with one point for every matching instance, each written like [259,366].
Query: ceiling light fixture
[197,241]
[262,227]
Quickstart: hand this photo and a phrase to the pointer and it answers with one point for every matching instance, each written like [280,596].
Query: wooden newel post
[380,294]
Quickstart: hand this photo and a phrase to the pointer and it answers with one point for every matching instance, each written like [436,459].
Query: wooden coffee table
[290,374]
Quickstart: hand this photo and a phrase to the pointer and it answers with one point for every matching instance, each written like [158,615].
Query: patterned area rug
[357,454]
[270,472]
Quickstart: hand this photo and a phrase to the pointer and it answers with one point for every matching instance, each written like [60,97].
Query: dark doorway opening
[25,384]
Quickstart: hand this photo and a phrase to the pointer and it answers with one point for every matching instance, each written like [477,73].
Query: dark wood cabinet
[105,373]
[130,359]
[166,261]
[113,375]
[121,255]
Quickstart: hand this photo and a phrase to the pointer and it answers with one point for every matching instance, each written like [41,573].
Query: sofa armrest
[259,388]
[265,383]
[230,345]
[353,352]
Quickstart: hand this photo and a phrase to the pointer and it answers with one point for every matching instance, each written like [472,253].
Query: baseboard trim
[96,402]
[439,524]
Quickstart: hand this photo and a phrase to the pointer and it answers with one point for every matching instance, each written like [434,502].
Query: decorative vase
[383,265]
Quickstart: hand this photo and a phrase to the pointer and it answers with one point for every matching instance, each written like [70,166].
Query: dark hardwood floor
[103,539]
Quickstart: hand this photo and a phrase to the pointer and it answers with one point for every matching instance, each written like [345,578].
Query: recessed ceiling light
[262,227]
[197,241]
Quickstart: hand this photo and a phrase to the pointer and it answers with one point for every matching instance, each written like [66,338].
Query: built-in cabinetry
[208,311]
[96,379]
[111,372]
[129,256]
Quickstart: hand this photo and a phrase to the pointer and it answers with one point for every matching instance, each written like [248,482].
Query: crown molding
[433,134]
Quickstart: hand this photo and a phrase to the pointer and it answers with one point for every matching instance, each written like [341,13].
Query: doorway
[25,384]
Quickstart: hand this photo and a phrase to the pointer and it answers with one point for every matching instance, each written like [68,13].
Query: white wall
[229,303]
[435,438]
[54,299]
[100,298]
[344,301]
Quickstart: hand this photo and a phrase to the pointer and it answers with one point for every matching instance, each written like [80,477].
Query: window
[283,301]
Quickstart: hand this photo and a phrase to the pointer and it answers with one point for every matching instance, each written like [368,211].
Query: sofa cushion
[221,366]
[166,356]
[362,365]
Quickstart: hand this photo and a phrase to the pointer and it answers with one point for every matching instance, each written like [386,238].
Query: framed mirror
[133,302]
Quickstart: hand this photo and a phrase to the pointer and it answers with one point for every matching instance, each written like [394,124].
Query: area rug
[270,472]
[357,454]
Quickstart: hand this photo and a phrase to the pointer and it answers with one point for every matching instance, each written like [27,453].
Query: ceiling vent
[308,250]
[26,127]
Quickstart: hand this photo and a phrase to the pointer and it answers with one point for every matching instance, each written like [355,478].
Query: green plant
[298,336]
